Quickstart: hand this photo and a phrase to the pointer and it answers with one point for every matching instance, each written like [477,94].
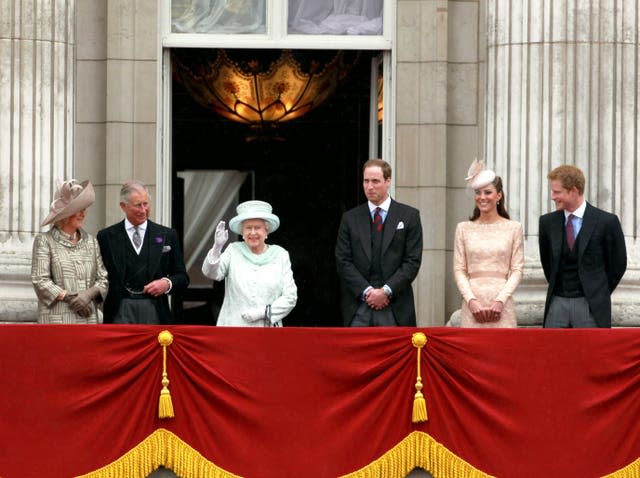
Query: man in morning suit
[144,262]
[583,255]
[378,254]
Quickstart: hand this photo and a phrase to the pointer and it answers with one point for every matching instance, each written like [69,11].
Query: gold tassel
[165,406]
[419,404]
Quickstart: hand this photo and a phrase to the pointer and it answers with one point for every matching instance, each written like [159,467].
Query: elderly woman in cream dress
[488,257]
[67,272]
[259,286]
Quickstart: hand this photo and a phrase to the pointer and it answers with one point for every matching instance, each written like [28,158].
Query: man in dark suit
[378,255]
[583,255]
[144,262]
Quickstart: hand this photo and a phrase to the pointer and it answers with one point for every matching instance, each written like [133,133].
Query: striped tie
[377,220]
[136,238]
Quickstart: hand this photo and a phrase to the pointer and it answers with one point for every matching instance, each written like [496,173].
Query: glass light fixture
[261,89]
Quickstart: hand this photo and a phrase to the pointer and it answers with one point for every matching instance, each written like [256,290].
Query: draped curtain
[318,402]
[314,17]
[218,16]
[208,195]
[335,17]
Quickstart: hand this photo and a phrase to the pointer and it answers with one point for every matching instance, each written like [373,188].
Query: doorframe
[275,38]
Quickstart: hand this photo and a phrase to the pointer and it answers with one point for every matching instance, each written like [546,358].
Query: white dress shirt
[130,228]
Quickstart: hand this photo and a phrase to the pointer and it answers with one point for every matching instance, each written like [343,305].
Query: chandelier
[261,88]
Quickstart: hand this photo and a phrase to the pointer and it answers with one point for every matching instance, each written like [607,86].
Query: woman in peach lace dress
[488,257]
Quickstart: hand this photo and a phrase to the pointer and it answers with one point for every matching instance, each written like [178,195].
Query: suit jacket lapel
[118,241]
[154,240]
[363,228]
[557,235]
[589,222]
[390,225]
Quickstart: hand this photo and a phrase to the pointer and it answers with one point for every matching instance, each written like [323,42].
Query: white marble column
[36,134]
[562,87]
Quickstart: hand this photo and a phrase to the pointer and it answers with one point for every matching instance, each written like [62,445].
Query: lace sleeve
[516,265]
[460,269]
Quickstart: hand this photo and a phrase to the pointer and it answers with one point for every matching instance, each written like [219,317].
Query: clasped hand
[156,287]
[253,315]
[483,315]
[377,299]
[80,302]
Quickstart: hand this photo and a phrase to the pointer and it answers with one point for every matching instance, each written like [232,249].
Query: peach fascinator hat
[478,176]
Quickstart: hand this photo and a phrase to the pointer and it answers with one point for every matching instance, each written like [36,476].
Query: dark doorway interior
[310,174]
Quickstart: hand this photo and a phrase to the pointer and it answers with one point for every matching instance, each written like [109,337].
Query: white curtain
[335,17]
[219,16]
[208,195]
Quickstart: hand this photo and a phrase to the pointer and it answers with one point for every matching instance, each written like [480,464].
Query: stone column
[562,87]
[36,134]
[437,125]
[131,83]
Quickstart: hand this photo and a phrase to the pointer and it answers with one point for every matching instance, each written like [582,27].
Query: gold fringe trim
[165,405]
[418,450]
[161,448]
[632,470]
[419,340]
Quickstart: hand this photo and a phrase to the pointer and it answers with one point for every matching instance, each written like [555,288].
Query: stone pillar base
[18,302]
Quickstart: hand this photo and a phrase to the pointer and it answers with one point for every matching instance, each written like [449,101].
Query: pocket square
[166,248]
[400,225]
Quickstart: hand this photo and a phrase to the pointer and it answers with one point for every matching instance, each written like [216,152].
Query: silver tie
[136,238]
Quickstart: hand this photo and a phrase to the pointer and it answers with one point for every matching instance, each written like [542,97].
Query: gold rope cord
[419,340]
[165,405]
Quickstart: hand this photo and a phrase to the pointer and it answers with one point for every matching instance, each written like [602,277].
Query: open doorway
[309,169]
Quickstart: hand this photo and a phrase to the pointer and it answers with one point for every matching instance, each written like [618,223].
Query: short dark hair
[382,164]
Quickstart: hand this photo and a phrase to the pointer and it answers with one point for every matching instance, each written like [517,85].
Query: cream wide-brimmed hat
[479,177]
[70,198]
[254,210]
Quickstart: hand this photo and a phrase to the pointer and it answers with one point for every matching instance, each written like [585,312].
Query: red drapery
[273,403]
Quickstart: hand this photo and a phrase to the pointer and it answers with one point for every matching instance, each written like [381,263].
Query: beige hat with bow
[70,198]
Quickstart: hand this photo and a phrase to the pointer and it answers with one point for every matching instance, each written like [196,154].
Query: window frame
[276,37]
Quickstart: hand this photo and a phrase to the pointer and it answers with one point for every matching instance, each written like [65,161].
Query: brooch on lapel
[160,240]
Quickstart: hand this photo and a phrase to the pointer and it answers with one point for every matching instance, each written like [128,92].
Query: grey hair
[132,186]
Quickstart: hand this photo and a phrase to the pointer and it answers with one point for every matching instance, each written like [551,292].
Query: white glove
[253,315]
[220,238]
